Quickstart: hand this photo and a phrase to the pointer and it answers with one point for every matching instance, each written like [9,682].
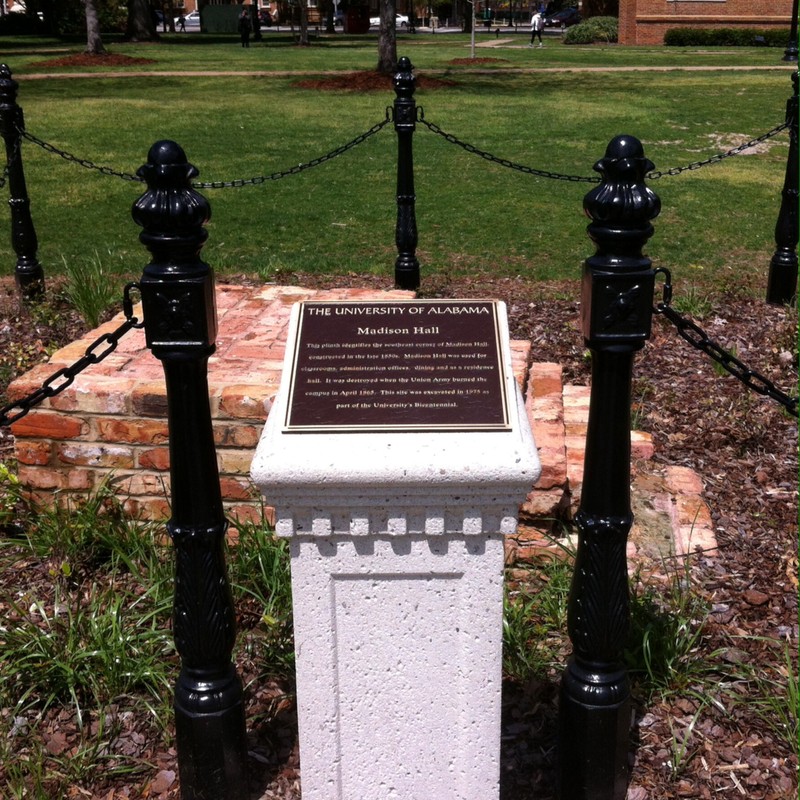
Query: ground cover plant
[85,688]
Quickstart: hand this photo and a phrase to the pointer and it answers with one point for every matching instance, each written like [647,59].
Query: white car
[400,21]
[192,19]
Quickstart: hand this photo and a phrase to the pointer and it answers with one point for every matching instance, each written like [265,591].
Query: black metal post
[617,299]
[782,282]
[406,267]
[28,272]
[790,54]
[177,290]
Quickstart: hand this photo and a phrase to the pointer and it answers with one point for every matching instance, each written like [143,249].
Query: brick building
[646,21]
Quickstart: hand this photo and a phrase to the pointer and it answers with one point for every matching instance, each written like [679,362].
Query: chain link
[315,162]
[503,162]
[100,348]
[82,162]
[693,334]
[655,175]
[720,156]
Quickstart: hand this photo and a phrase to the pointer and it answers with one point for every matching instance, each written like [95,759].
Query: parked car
[400,21]
[563,19]
[192,19]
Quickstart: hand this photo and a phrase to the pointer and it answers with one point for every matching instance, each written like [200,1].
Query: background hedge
[595,29]
[725,37]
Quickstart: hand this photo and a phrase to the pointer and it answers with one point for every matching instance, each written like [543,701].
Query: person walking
[537,23]
[244,28]
[181,24]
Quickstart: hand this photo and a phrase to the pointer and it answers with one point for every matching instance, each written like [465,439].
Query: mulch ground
[88,60]
[743,446]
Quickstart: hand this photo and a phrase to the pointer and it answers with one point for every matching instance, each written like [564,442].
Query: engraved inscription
[401,365]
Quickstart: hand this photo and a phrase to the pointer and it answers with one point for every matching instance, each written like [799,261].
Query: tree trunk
[303,40]
[141,27]
[387,39]
[94,44]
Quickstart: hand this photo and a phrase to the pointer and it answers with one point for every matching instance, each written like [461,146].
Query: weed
[259,570]
[9,496]
[521,638]
[92,646]
[693,302]
[680,745]
[535,617]
[91,287]
[666,632]
[774,696]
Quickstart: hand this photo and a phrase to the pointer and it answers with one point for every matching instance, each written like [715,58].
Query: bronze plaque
[401,365]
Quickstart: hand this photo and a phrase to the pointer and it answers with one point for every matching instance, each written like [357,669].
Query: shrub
[725,37]
[596,29]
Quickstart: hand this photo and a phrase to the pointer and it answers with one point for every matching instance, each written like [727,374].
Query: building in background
[646,21]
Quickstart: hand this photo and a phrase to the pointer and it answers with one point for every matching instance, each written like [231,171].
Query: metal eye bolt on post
[177,290]
[406,268]
[616,309]
[28,272]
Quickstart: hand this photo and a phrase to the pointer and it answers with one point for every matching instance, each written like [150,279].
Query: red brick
[49,425]
[81,479]
[32,452]
[96,394]
[144,483]
[153,508]
[39,478]
[234,462]
[132,430]
[545,379]
[246,402]
[232,435]
[234,489]
[149,399]
[247,512]
[95,455]
[642,445]
[155,458]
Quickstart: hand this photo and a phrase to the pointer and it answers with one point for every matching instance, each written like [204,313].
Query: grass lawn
[340,216]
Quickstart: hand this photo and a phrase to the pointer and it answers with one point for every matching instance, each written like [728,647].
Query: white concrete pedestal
[397,583]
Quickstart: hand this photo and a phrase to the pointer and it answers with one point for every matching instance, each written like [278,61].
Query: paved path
[468,71]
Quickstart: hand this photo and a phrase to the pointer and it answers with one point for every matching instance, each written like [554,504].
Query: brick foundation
[111,422]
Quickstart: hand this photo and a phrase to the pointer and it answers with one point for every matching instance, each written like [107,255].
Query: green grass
[339,217]
[86,636]
[277,52]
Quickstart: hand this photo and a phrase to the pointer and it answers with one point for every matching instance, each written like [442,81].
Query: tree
[387,38]
[94,44]
[141,27]
[600,8]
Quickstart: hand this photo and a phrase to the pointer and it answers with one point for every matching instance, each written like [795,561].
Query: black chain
[699,339]
[82,162]
[503,162]
[655,175]
[315,162]
[99,349]
[720,156]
